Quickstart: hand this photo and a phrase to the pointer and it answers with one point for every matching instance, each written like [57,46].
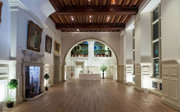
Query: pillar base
[171,103]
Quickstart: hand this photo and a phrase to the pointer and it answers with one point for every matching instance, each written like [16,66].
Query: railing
[79,53]
[102,53]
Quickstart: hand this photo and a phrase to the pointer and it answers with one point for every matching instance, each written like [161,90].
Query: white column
[121,66]
[129,54]
[16,8]
[90,52]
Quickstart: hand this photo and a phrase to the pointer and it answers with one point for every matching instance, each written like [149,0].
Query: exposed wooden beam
[97,10]
[91,26]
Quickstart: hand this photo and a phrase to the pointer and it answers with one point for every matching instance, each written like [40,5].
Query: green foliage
[46,76]
[103,67]
[13,84]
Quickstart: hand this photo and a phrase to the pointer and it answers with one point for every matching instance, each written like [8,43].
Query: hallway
[93,96]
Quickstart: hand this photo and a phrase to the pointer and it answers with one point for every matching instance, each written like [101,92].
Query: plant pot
[103,75]
[10,104]
[46,88]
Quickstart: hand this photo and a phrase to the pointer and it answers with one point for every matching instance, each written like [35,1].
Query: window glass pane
[133,32]
[133,69]
[133,43]
[155,14]
[101,50]
[156,67]
[80,49]
[156,49]
[155,31]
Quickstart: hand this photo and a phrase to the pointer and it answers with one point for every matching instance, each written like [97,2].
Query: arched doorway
[88,56]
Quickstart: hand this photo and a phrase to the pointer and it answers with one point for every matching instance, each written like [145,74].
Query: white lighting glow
[3,92]
[113,2]
[72,18]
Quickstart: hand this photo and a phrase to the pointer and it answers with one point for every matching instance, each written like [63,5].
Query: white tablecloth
[90,76]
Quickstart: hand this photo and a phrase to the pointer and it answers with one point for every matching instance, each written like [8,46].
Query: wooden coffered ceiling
[93,15]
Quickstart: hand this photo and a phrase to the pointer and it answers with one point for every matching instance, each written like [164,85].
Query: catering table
[90,76]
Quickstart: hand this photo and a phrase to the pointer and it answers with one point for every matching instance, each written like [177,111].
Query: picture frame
[34,36]
[1,4]
[48,45]
[56,47]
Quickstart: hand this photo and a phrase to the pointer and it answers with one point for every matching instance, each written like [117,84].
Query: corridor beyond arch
[90,63]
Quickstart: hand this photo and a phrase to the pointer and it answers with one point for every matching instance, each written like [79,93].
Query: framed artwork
[0,10]
[34,36]
[56,47]
[48,45]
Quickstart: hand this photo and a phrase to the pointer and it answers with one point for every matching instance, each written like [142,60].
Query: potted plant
[103,68]
[46,77]
[12,85]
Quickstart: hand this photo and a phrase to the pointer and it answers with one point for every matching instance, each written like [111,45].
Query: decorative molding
[36,97]
[170,103]
[129,69]
[169,61]
[129,61]
[138,76]
[32,55]
[170,79]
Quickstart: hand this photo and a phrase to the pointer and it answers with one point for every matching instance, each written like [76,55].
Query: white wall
[122,45]
[143,38]
[5,31]
[13,40]
[129,45]
[143,47]
[170,22]
[41,8]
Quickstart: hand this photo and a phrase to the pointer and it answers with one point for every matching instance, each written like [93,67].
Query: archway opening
[87,57]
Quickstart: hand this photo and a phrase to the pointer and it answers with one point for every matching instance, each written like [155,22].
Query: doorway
[79,68]
[56,69]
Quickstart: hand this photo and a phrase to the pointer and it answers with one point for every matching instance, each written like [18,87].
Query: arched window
[80,50]
[101,50]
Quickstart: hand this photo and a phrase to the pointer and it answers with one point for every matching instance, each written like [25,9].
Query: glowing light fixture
[77,30]
[113,2]
[72,18]
[90,18]
[108,18]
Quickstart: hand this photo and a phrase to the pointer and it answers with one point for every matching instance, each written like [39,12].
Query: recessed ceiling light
[72,18]
[113,2]
[89,0]
[108,18]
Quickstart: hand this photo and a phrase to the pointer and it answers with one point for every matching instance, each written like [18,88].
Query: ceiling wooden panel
[94,15]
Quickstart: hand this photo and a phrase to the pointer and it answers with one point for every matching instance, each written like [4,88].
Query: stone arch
[76,43]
